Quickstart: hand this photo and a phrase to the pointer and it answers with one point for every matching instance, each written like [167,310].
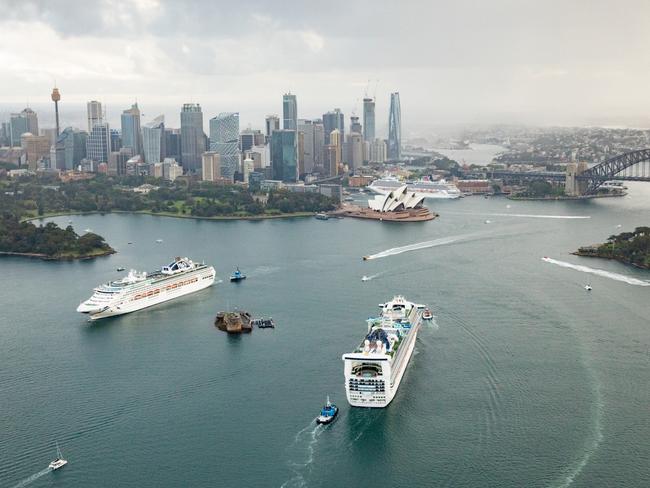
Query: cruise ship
[140,290]
[375,369]
[425,188]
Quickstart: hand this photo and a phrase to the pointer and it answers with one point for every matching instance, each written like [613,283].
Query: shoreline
[65,257]
[587,254]
[169,214]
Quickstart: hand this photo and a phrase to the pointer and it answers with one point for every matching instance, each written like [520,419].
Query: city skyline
[495,62]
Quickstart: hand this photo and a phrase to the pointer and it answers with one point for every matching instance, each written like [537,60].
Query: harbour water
[481,154]
[523,379]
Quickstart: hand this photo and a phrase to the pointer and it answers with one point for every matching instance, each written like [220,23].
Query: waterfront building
[369,119]
[131,132]
[98,143]
[333,120]
[153,140]
[211,166]
[224,139]
[394,128]
[284,155]
[192,136]
[70,149]
[289,112]
[94,114]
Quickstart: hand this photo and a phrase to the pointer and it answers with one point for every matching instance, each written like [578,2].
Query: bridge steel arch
[606,170]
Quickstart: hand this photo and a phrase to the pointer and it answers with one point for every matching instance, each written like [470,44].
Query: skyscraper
[192,136]
[173,144]
[131,135]
[368,119]
[284,155]
[153,140]
[211,166]
[306,127]
[19,125]
[289,112]
[272,123]
[355,126]
[395,128]
[355,151]
[98,143]
[70,148]
[335,149]
[56,96]
[95,114]
[333,120]
[224,139]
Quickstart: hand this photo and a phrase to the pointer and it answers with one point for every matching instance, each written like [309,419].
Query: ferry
[141,290]
[422,188]
[374,370]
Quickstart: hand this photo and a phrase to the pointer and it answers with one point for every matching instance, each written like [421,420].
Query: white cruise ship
[422,188]
[140,290]
[375,369]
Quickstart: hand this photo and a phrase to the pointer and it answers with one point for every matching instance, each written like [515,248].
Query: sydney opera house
[399,205]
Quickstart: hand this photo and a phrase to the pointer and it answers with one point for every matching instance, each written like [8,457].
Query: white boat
[88,230]
[140,290]
[422,188]
[59,462]
[159,241]
[588,287]
[374,370]
[365,278]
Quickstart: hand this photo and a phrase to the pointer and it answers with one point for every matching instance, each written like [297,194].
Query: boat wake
[32,478]
[372,277]
[599,272]
[303,455]
[537,216]
[416,247]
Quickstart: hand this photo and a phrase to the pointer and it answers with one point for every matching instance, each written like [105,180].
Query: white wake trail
[32,478]
[416,247]
[537,216]
[598,272]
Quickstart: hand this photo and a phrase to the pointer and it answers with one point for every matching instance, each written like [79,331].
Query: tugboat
[427,315]
[328,413]
[59,462]
[237,275]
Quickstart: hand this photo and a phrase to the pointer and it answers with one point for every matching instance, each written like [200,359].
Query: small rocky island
[234,322]
[627,247]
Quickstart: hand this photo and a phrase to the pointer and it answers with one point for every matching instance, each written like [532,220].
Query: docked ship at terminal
[141,290]
[374,370]
[422,188]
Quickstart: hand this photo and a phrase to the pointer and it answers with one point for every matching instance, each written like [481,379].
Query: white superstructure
[140,290]
[375,369]
[422,188]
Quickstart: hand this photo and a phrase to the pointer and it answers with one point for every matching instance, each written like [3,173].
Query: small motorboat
[365,278]
[588,287]
[488,221]
[159,241]
[88,230]
[237,276]
[120,268]
[263,323]
[322,216]
[365,258]
[129,242]
[427,315]
[328,413]
[59,462]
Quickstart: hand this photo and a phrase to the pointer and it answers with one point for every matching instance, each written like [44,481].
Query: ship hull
[157,293]
[430,195]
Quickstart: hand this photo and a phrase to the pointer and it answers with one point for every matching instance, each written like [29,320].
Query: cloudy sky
[453,62]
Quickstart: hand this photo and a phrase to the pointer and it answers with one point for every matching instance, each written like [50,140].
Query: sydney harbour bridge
[583,179]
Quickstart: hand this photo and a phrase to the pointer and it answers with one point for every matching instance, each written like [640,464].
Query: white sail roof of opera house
[396,200]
